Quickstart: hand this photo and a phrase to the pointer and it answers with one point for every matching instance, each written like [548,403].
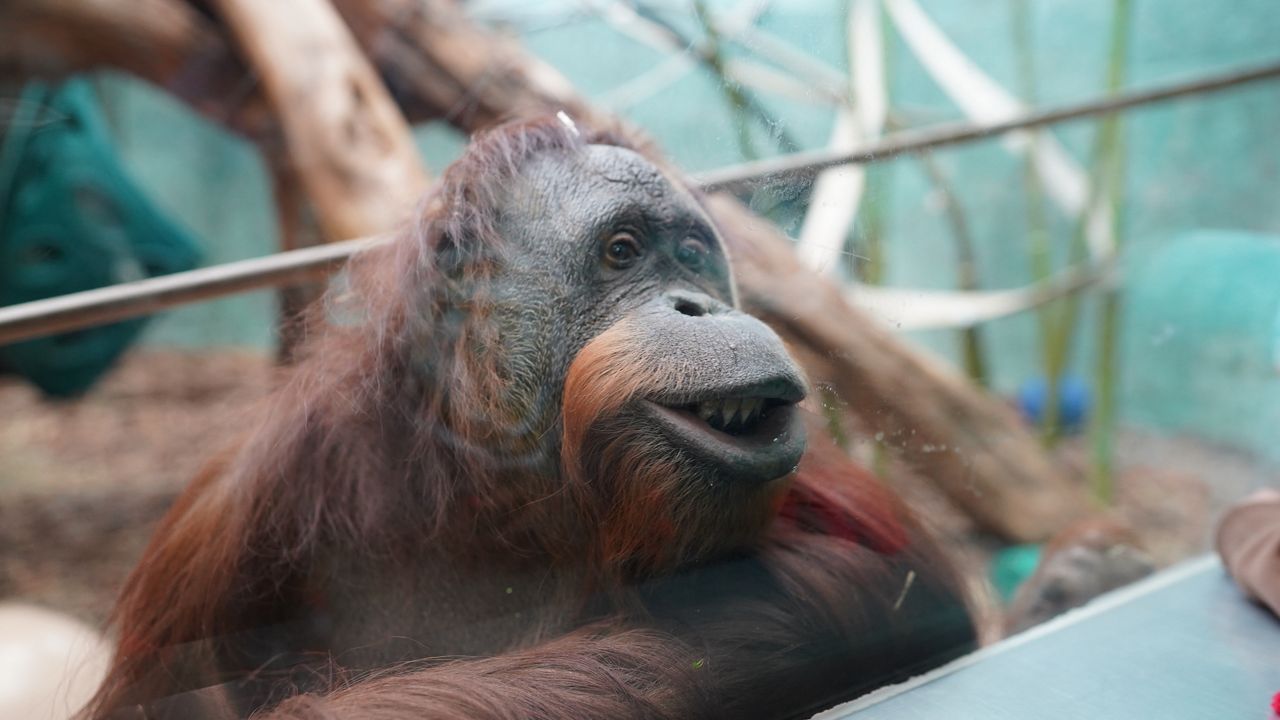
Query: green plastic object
[72,220]
[1012,566]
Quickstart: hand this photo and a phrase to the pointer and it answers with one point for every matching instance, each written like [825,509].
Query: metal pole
[120,302]
[805,165]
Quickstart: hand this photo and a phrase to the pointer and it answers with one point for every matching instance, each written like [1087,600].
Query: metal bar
[805,165]
[119,302]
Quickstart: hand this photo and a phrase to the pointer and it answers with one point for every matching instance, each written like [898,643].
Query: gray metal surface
[1182,644]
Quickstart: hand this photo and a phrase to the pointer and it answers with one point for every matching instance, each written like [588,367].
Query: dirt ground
[82,483]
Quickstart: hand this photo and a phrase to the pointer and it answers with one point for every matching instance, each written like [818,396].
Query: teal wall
[216,185]
[1202,337]
[1209,162]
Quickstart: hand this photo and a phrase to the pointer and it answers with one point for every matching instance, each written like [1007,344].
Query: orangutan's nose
[696,304]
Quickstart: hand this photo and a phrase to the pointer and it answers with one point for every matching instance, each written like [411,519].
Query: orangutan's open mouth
[737,416]
[752,433]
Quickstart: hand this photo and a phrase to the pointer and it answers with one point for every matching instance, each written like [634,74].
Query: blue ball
[1073,401]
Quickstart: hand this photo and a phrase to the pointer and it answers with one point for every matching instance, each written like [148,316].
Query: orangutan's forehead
[598,169]
[625,167]
[575,189]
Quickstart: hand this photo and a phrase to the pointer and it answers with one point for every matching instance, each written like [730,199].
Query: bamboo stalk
[836,197]
[974,359]
[1102,429]
[1103,200]
[1039,248]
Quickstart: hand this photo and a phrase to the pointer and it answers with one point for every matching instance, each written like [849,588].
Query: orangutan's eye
[692,253]
[621,250]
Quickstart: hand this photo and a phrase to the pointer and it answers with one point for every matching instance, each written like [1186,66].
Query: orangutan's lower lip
[767,444]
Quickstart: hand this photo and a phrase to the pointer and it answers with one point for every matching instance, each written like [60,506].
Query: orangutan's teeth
[712,412]
[736,413]
[732,406]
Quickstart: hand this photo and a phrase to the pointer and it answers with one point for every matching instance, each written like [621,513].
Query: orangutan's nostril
[689,307]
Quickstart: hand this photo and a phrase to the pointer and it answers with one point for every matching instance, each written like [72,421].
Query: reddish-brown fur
[389,436]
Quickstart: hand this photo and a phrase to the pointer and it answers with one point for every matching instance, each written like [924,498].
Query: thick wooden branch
[165,42]
[149,37]
[173,44]
[440,64]
[349,143]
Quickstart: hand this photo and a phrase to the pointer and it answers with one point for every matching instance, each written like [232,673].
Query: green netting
[71,220]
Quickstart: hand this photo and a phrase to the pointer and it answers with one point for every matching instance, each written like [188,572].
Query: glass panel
[696,359]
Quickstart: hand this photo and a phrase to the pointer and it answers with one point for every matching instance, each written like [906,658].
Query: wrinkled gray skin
[555,294]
